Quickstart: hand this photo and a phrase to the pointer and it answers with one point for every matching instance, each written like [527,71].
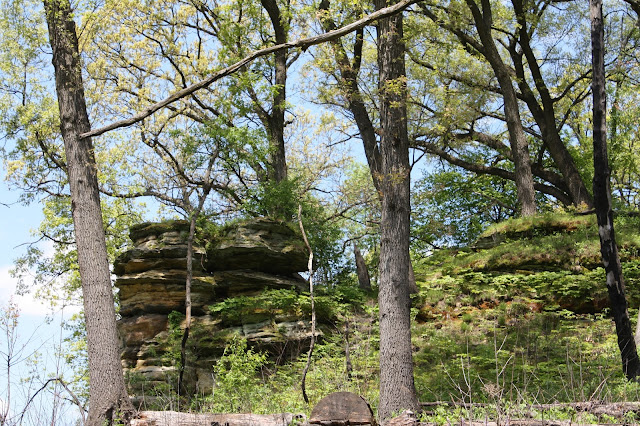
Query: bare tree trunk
[303,384]
[108,398]
[397,389]
[602,201]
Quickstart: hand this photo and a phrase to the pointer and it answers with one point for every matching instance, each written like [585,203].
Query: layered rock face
[241,260]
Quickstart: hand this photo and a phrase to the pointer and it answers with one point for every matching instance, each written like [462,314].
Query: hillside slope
[521,317]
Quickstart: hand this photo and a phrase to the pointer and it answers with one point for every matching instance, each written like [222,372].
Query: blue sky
[34,333]
[17,222]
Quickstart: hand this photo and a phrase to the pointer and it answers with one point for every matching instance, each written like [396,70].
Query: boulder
[342,408]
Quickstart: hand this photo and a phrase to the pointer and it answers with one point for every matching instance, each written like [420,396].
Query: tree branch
[304,44]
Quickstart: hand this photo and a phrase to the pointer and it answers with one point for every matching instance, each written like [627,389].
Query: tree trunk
[276,122]
[108,397]
[397,389]
[172,418]
[519,146]
[364,280]
[187,299]
[602,201]
[349,85]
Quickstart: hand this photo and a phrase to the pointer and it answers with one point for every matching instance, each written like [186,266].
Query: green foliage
[331,303]
[269,304]
[452,207]
[551,260]
[278,200]
[173,345]
[539,225]
[505,324]
[541,357]
[237,386]
[246,382]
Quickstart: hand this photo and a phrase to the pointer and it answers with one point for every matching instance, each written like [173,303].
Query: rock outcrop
[244,259]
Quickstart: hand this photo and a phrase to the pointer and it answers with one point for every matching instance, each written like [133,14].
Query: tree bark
[397,389]
[275,122]
[602,201]
[108,398]
[519,146]
[172,418]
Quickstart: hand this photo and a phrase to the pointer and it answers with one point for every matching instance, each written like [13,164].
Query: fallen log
[616,410]
[507,422]
[174,418]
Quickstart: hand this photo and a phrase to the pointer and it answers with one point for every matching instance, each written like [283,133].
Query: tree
[602,199]
[397,389]
[543,110]
[347,75]
[459,112]
[108,398]
[451,207]
[483,21]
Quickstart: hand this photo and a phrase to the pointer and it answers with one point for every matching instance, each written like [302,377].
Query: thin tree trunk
[108,398]
[364,280]
[602,201]
[347,351]
[303,383]
[519,146]
[193,218]
[187,302]
[397,389]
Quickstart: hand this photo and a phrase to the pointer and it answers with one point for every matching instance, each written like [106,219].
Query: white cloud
[27,304]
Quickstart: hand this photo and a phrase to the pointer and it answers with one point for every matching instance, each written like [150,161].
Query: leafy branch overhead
[303,44]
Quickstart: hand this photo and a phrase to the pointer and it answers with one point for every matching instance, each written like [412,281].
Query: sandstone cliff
[243,259]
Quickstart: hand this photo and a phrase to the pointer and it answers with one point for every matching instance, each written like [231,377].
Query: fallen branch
[303,44]
[510,422]
[72,395]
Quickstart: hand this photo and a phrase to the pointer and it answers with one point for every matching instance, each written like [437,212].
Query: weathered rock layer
[244,259]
